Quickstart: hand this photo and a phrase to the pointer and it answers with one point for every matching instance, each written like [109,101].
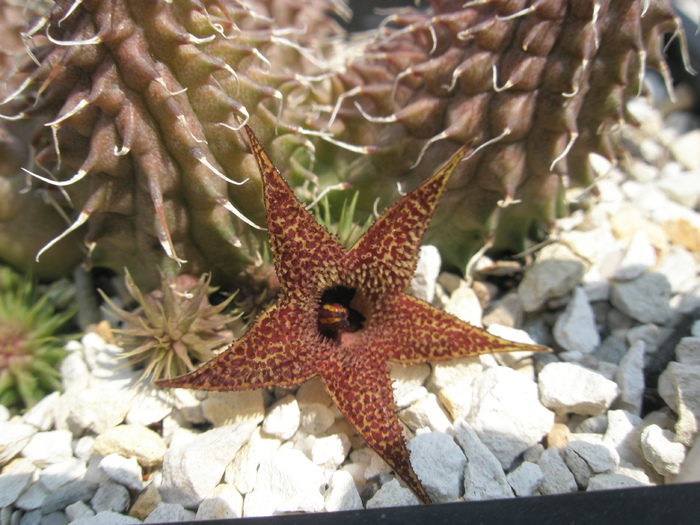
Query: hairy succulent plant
[175,328]
[545,81]
[30,345]
[143,116]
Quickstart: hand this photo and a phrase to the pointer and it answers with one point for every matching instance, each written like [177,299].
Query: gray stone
[110,496]
[32,498]
[191,472]
[106,518]
[54,518]
[58,474]
[13,438]
[439,464]
[78,510]
[556,272]
[78,490]
[224,502]
[483,476]
[613,481]
[645,298]
[688,351]
[566,387]
[392,494]
[599,456]
[623,435]
[526,479]
[169,513]
[507,414]
[611,350]
[630,378]
[678,266]
[558,479]
[15,478]
[579,468]
[575,329]
[33,517]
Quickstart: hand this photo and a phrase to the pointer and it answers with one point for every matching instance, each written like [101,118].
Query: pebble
[638,258]
[439,464]
[242,471]
[679,267]
[13,438]
[426,274]
[106,517]
[567,387]
[283,418]
[148,407]
[483,477]
[613,481]
[41,415]
[558,479]
[645,298]
[685,149]
[146,502]
[191,472]
[15,478]
[526,479]
[688,351]
[224,502]
[78,510]
[132,440]
[507,414]
[464,304]
[125,471]
[427,412]
[32,498]
[47,448]
[99,409]
[679,386]
[661,450]
[78,490]
[456,372]
[556,272]
[316,418]
[392,494]
[342,493]
[622,434]
[110,496]
[287,482]
[575,329]
[630,378]
[58,474]
[228,408]
[329,452]
[408,382]
[169,513]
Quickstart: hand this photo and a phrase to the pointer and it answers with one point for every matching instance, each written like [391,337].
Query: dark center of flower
[335,315]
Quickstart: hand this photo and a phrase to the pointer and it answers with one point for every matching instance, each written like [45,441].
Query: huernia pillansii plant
[141,117]
[343,314]
[174,328]
[31,344]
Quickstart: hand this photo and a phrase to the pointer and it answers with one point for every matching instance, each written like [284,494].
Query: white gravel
[607,298]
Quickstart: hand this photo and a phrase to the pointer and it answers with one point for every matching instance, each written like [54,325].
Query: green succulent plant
[174,328]
[31,344]
[142,118]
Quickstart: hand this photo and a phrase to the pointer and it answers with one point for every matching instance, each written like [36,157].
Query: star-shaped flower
[343,314]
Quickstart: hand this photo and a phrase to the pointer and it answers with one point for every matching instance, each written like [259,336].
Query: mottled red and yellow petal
[410,330]
[280,349]
[360,387]
[300,245]
[387,253]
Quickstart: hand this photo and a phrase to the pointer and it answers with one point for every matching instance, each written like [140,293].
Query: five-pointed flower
[343,314]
